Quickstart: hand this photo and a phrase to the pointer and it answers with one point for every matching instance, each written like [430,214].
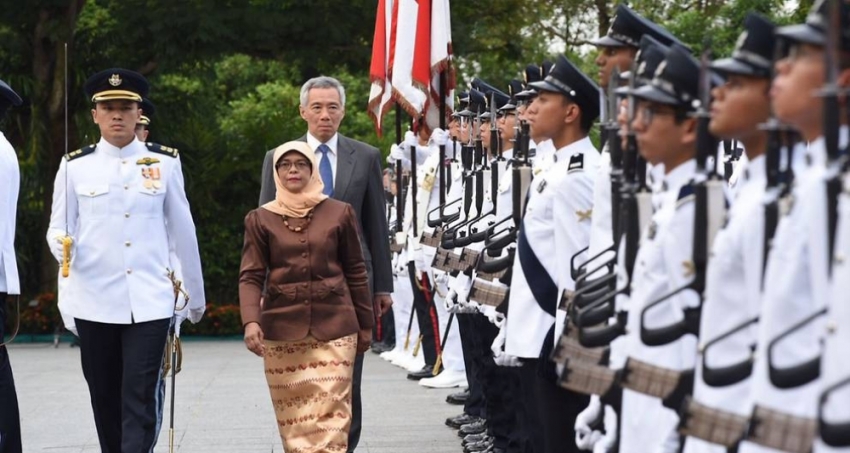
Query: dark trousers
[426,314]
[356,405]
[10,419]
[497,384]
[552,411]
[475,402]
[121,364]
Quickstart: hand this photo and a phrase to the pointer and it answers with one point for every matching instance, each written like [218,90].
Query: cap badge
[661,68]
[741,40]
[115,80]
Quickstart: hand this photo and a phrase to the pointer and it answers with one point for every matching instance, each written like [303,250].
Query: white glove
[607,442]
[439,137]
[410,140]
[58,250]
[495,318]
[584,433]
[498,348]
[449,301]
[177,322]
[397,154]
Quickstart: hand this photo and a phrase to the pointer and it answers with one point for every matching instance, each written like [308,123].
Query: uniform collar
[756,170]
[332,143]
[816,152]
[132,148]
[508,154]
[680,175]
[579,146]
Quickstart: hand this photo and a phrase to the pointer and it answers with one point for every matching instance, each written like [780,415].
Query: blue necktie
[326,171]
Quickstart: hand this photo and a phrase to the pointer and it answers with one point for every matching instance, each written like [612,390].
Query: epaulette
[84,151]
[162,149]
[576,163]
[686,194]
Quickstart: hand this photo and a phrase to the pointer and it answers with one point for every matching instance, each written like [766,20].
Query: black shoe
[473,428]
[474,438]
[458,398]
[381,347]
[460,420]
[426,372]
[478,447]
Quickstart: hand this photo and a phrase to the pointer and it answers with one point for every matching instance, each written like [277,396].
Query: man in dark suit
[351,171]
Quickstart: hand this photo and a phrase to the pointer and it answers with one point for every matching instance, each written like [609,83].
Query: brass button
[303,240]
[304,255]
[126,215]
[303,285]
[304,271]
[129,271]
[127,243]
[306,302]
[126,187]
[124,161]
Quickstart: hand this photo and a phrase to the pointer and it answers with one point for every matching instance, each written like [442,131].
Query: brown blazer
[317,281]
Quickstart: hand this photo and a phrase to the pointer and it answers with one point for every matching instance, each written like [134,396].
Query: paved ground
[223,405]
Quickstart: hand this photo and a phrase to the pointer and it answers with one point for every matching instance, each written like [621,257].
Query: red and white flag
[441,62]
[411,49]
[380,94]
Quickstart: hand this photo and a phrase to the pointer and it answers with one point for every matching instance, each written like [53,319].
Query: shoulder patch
[686,194]
[84,151]
[576,163]
[162,149]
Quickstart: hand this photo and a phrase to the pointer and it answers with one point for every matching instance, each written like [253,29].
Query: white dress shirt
[331,144]
[10,181]
[123,227]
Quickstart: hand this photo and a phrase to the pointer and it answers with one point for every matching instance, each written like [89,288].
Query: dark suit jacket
[317,282]
[358,182]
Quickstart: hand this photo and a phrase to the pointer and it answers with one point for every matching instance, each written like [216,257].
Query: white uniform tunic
[123,229]
[796,286]
[733,296]
[10,181]
[660,268]
[835,367]
[534,295]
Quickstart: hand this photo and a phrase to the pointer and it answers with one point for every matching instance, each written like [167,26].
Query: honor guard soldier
[10,179]
[557,215]
[786,374]
[145,119]
[735,272]
[666,134]
[617,50]
[119,206]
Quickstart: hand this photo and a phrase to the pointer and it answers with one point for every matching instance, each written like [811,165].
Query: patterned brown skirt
[310,385]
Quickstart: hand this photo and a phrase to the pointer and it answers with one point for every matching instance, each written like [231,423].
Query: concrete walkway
[223,404]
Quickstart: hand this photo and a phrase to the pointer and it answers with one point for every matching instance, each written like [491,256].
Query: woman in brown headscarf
[317,309]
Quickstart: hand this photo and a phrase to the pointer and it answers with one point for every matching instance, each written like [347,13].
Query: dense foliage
[225,78]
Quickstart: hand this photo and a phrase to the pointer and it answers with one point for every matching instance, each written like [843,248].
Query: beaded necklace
[301,228]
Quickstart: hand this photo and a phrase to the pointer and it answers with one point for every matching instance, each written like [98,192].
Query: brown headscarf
[293,204]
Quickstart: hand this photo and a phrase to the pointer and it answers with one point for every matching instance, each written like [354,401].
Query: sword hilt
[66,255]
